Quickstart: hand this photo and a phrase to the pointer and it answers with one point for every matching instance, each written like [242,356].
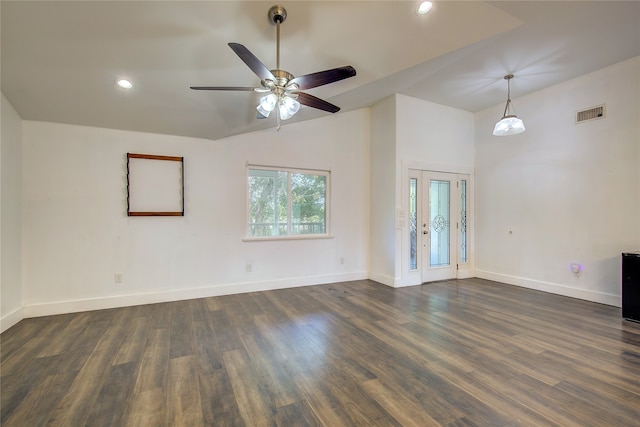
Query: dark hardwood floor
[457,353]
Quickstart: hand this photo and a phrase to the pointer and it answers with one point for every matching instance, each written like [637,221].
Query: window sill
[278,238]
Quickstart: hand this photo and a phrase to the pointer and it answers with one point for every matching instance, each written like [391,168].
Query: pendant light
[510,124]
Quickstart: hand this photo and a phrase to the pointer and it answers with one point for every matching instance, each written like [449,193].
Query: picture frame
[155,185]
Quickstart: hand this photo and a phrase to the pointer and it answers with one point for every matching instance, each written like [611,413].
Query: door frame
[414,169]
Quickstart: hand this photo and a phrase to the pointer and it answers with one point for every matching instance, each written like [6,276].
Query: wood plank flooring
[456,353]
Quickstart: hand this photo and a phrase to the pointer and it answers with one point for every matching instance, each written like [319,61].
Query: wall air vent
[593,113]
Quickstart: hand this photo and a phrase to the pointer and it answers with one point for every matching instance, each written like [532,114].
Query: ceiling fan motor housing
[277,14]
[282,77]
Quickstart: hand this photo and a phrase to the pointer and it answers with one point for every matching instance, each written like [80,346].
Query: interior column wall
[383,180]
[10,217]
[430,137]
[409,133]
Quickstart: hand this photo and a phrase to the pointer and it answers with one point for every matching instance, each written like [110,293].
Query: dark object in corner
[631,286]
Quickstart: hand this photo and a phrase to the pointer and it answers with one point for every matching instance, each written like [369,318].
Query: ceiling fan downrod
[277,15]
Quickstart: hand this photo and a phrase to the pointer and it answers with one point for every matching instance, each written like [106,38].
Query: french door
[440,235]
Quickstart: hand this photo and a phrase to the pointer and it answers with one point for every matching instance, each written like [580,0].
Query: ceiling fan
[283,89]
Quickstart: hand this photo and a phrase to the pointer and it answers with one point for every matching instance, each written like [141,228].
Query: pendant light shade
[510,124]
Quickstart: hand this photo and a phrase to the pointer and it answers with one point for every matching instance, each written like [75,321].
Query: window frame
[289,171]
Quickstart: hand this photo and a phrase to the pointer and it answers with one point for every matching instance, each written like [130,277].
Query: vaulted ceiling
[60,59]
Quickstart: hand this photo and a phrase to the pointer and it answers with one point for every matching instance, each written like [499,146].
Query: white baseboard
[11,319]
[411,281]
[553,288]
[382,278]
[74,306]
[391,282]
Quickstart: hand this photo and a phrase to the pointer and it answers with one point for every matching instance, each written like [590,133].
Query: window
[463,221]
[287,202]
[413,223]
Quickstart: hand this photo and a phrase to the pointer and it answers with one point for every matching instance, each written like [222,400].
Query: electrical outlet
[249,267]
[118,278]
[575,268]
[342,260]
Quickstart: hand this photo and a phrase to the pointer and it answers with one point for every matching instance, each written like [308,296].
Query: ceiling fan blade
[320,78]
[238,88]
[252,62]
[315,102]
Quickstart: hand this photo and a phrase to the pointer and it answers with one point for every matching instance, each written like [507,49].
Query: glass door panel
[440,222]
[439,239]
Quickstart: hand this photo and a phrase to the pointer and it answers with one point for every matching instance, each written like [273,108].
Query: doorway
[438,235]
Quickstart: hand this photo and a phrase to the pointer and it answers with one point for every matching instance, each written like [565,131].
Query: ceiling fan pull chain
[278,121]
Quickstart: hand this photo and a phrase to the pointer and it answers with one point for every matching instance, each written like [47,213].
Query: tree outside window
[287,202]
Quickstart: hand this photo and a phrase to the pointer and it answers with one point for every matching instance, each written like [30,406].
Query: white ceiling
[60,59]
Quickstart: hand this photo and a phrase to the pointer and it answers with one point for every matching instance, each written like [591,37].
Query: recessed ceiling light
[424,7]
[125,84]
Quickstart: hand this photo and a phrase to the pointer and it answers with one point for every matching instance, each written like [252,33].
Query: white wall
[567,194]
[10,217]
[434,136]
[431,137]
[77,234]
[383,184]
[562,193]
[409,133]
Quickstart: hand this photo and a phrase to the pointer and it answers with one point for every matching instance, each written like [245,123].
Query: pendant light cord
[508,78]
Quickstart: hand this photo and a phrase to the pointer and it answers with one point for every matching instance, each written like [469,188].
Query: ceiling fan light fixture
[267,104]
[509,124]
[288,107]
